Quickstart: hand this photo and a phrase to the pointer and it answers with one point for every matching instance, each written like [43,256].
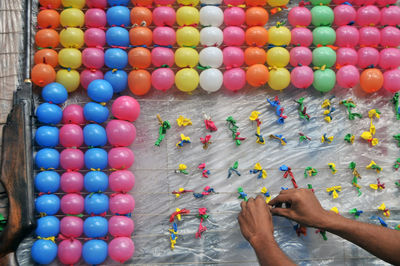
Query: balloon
[323,56]
[324,36]
[367,56]
[94,251]
[369,36]
[233,2]
[116,3]
[163,3]
[256,36]
[139,82]
[322,16]
[188,2]
[50,4]
[389,58]
[73,114]
[49,113]
[95,227]
[211,36]
[233,36]
[141,16]
[71,226]
[47,38]
[371,80]
[72,203]
[186,57]
[100,90]
[254,3]
[324,80]
[73,3]
[391,80]
[164,36]
[118,80]
[47,158]
[48,204]
[145,3]
[187,36]
[117,37]
[257,75]
[339,2]
[320,2]
[344,14]
[299,16]
[96,158]
[279,78]
[46,56]
[118,16]
[121,181]
[385,3]
[346,56]
[234,16]
[389,16]
[122,203]
[94,37]
[277,3]
[69,251]
[139,57]
[70,58]
[47,136]
[278,57]
[115,58]
[211,16]
[255,16]
[43,74]
[187,79]
[54,93]
[96,3]
[121,249]
[347,76]
[162,56]
[211,80]
[279,35]
[88,75]
[48,19]
[72,17]
[302,77]
[301,36]
[347,36]
[126,108]
[71,135]
[47,182]
[41,247]
[368,16]
[234,79]
[71,38]
[94,135]
[71,182]
[120,158]
[120,133]
[233,57]
[164,16]
[71,159]
[390,36]
[47,226]
[211,57]
[254,55]
[69,79]
[141,36]
[95,112]
[162,79]
[93,58]
[120,226]
[96,204]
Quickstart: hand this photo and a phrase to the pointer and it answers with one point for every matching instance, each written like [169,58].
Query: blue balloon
[49,113]
[94,135]
[47,158]
[118,2]
[96,181]
[47,182]
[44,251]
[95,226]
[118,80]
[115,58]
[55,93]
[100,90]
[48,204]
[117,36]
[47,136]
[96,203]
[48,226]
[96,158]
[94,251]
[119,16]
[95,112]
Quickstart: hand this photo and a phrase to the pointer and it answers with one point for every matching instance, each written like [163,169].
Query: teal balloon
[323,56]
[320,2]
[324,80]
[324,35]
[322,16]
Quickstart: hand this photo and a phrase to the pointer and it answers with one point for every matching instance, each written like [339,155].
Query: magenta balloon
[390,36]
[162,79]
[71,159]
[391,80]
[234,79]
[71,135]
[69,251]
[300,56]
[120,158]
[233,56]
[164,16]
[88,75]
[71,226]
[385,2]
[126,108]
[339,2]
[390,16]
[71,182]
[96,3]
[162,56]
[363,2]
[346,56]
[347,36]
[163,2]
[348,76]
[389,58]
[369,36]
[302,77]
[233,36]
[234,2]
[120,226]
[120,133]
[301,36]
[164,36]
[95,18]
[121,249]
[73,114]
[369,15]
[299,16]
[367,56]
[344,14]
[121,181]
[95,37]
[234,16]
[93,58]
[72,203]
[122,203]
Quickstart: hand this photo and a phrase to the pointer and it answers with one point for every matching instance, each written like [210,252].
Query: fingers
[243,205]
[281,198]
[281,212]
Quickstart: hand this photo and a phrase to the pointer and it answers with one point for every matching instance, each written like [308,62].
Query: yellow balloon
[187,79]
[72,17]
[187,15]
[275,3]
[188,2]
[186,57]
[279,78]
[279,35]
[69,79]
[72,38]
[70,58]
[278,57]
[73,3]
[188,37]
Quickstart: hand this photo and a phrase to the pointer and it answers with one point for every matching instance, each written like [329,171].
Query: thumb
[281,212]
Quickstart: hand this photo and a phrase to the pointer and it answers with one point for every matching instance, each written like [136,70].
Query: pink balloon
[164,36]
[344,14]
[367,56]
[347,36]
[302,77]
[95,18]
[363,2]
[72,203]
[162,79]
[348,76]
[391,80]
[71,182]
[369,36]
[88,75]
[120,133]
[233,36]
[126,108]
[234,79]
[300,56]
[390,36]
[120,158]
[299,16]
[162,56]
[164,16]
[369,15]
[234,16]
[346,56]
[390,16]
[120,226]
[233,57]
[163,2]
[339,2]
[389,58]
[234,2]
[69,251]
[93,58]
[73,114]
[72,159]
[121,249]
[96,3]
[94,37]
[301,36]
[385,2]
[71,226]
[71,135]
[122,203]
[121,181]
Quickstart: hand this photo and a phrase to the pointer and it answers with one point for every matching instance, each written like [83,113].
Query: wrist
[328,218]
[261,240]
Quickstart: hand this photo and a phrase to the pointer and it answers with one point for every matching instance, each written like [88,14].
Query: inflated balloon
[46,56]
[371,80]
[94,251]
[71,159]
[186,57]
[339,2]
[72,17]
[93,58]
[88,75]
[95,112]
[145,3]
[95,227]
[115,58]
[50,4]
[120,133]
[71,226]
[299,16]
[320,2]
[96,18]
[47,182]
[347,36]
[391,80]
[48,113]
[389,58]
[141,36]
[187,36]
[279,78]
[369,15]
[324,80]
[96,204]
[139,57]
[69,79]
[71,182]
[211,80]
[277,3]
[162,56]
[47,226]
[234,2]
[390,36]
[301,36]
[71,135]
[163,3]
[42,246]
[324,36]
[164,36]
[162,79]
[54,93]
[389,16]
[122,203]
[118,16]
[347,76]
[257,75]
[385,2]
[126,108]
[164,16]
[118,80]
[70,58]
[367,56]
[188,2]
[344,15]
[233,36]
[73,3]
[187,79]
[141,16]
[255,3]
[322,16]
[100,90]
[211,57]
[96,158]
[121,249]
[255,16]
[69,251]
[234,79]
[47,158]
[369,36]
[117,3]
[234,16]
[94,135]
[211,36]
[48,19]
[48,204]
[94,37]
[117,37]
[43,74]
[346,56]
[256,36]
[233,57]
[278,57]
[46,136]
[120,158]
[96,3]
[323,56]
[279,35]
[121,181]
[47,38]
[120,226]
[302,77]
[73,114]
[255,55]
[139,82]
[211,16]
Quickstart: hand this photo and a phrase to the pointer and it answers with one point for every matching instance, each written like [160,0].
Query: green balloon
[320,2]
[323,56]
[322,16]
[324,35]
[324,80]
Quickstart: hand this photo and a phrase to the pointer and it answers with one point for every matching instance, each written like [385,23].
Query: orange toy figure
[43,74]
[256,36]
[47,38]
[46,56]
[256,16]
[50,4]
[371,80]
[255,55]
[141,36]
[139,57]
[142,3]
[257,75]
[48,19]
[139,82]
[141,16]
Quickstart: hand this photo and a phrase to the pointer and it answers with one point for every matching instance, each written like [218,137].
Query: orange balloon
[139,82]
[48,19]
[43,74]
[257,75]
[46,56]
[141,16]
[256,36]
[141,36]
[371,80]
[254,55]
[50,4]
[256,16]
[256,2]
[139,57]
[144,3]
[47,38]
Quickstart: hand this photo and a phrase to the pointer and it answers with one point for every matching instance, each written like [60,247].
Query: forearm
[269,253]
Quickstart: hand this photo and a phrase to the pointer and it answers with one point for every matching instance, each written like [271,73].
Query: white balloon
[211,2]
[211,57]
[211,79]
[211,36]
[211,16]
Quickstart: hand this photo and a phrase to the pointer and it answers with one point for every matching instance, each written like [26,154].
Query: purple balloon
[120,226]
[71,182]
[88,75]
[367,56]
[301,36]
[121,249]
[120,158]
[302,77]
[346,56]
[72,159]
[69,251]
[95,38]
[120,133]
[122,203]
[300,56]
[369,36]
[93,58]
[391,80]
[162,79]
[390,36]
[348,76]
[121,181]
[344,14]
[72,203]
[71,226]
[389,58]
[347,36]
[71,135]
